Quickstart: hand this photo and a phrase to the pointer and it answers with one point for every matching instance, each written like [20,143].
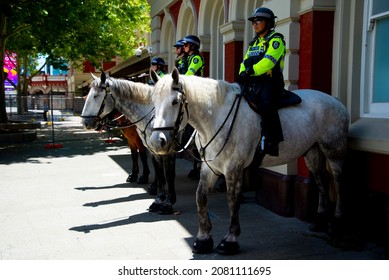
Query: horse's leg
[144,179]
[169,166]
[135,166]
[204,242]
[316,163]
[159,177]
[169,163]
[339,229]
[335,154]
[336,166]
[234,180]
[158,186]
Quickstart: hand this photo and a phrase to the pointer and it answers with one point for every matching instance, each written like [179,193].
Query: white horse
[134,101]
[228,136]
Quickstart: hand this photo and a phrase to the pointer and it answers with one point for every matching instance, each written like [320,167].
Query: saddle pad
[288,98]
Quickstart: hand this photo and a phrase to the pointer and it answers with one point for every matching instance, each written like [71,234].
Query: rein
[238,98]
[130,125]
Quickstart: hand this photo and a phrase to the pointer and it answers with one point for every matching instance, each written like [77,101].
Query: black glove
[249,71]
[248,63]
[243,78]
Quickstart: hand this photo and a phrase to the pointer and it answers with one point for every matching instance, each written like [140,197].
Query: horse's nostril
[163,142]
[162,139]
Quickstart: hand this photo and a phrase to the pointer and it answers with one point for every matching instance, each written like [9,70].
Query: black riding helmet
[179,43]
[263,13]
[158,61]
[192,40]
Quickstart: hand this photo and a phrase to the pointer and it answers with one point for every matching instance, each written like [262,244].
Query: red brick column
[315,57]
[315,54]
[233,58]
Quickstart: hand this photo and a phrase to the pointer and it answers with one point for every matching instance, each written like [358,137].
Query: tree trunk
[22,87]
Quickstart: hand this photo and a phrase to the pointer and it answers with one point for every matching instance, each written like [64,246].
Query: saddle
[287,98]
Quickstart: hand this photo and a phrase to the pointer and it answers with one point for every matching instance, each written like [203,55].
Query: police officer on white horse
[261,76]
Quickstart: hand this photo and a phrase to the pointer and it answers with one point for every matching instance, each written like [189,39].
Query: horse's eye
[175,102]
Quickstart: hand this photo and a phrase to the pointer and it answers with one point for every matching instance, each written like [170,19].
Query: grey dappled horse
[228,134]
[134,101]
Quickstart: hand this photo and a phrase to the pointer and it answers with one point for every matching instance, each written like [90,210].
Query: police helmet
[193,40]
[157,61]
[263,13]
[179,43]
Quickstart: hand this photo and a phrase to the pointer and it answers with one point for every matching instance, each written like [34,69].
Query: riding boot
[271,132]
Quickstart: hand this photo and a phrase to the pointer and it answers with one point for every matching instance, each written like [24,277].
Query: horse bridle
[107,91]
[182,110]
[102,121]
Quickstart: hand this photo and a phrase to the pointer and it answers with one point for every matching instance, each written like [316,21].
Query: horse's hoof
[154,207]
[203,246]
[143,180]
[165,209]
[132,178]
[171,199]
[228,248]
[318,227]
[152,189]
[320,224]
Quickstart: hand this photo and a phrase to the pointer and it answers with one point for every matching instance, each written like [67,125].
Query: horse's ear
[175,75]
[93,76]
[153,75]
[103,77]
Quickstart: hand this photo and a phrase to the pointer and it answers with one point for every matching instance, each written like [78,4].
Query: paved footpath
[73,203]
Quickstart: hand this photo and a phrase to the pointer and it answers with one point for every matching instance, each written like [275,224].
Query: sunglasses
[257,21]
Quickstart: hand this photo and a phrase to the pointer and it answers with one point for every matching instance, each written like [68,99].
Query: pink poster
[9,69]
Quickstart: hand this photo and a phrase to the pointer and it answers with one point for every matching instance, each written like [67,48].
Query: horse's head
[171,114]
[99,102]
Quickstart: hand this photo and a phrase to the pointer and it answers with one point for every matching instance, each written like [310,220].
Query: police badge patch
[195,60]
[275,45]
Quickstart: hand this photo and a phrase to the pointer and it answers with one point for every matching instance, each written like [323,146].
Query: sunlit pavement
[73,203]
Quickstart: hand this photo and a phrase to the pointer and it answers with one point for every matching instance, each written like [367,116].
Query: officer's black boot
[271,134]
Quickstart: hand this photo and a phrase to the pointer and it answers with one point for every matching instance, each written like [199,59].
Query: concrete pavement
[73,203]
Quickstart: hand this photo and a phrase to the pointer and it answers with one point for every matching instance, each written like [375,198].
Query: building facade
[336,46]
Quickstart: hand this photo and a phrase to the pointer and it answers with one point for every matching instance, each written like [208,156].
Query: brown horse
[136,146]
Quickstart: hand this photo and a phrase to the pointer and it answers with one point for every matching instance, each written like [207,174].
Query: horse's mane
[210,91]
[137,92]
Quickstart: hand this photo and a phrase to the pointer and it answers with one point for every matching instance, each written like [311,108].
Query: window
[375,74]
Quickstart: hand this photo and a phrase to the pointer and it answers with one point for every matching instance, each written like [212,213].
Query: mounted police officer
[158,65]
[261,76]
[182,58]
[195,60]
[195,66]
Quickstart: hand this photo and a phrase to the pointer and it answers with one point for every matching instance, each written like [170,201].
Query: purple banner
[9,69]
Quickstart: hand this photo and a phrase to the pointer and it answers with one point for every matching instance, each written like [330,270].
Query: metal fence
[39,103]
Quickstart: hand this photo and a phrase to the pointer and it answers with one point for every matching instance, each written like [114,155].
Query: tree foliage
[75,30]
